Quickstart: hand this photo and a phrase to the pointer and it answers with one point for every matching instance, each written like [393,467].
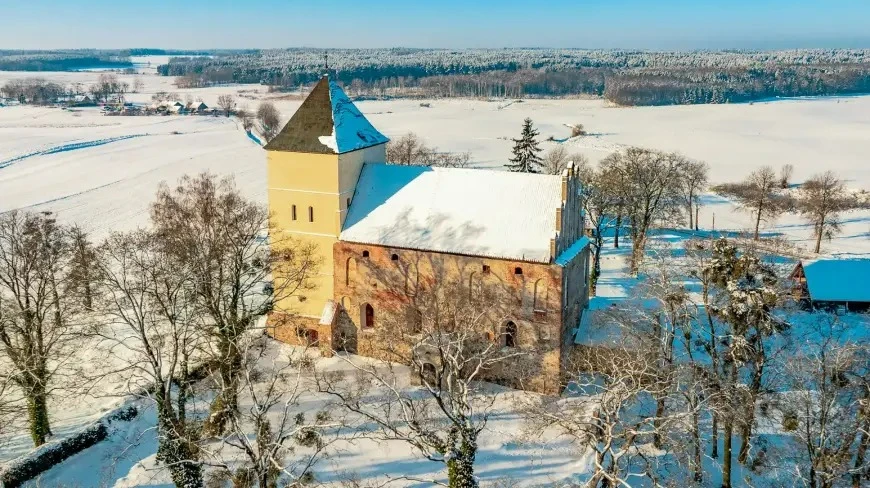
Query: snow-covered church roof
[838,280]
[474,212]
[327,122]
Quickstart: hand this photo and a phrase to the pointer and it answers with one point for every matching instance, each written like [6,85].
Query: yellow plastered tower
[313,167]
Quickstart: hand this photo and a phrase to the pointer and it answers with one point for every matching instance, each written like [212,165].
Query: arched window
[368,316]
[518,271]
[429,374]
[350,274]
[365,254]
[416,320]
[412,280]
[311,337]
[540,297]
[509,335]
[311,214]
[394,257]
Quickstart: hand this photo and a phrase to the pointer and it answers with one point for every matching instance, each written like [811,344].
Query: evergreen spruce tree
[526,159]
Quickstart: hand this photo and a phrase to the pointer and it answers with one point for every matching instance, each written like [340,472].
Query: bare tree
[138,85]
[147,296]
[269,119]
[604,412]
[759,194]
[411,150]
[826,409]
[693,181]
[227,103]
[406,150]
[243,269]
[648,182]
[600,198]
[785,174]
[820,200]
[280,439]
[557,159]
[38,308]
[450,339]
[246,118]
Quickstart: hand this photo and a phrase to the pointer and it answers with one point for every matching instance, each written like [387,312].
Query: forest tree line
[632,78]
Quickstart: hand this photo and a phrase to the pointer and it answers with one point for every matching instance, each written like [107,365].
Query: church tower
[313,167]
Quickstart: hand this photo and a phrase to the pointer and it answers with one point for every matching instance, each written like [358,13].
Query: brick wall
[386,279]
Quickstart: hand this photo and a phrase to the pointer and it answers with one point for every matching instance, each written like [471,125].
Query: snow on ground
[102,172]
[127,458]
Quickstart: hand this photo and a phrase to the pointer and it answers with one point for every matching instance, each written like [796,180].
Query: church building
[329,185]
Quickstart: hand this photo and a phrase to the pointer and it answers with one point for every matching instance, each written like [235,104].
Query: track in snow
[67,147]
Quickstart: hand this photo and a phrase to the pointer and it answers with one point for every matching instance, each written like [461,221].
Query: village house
[833,284]
[371,222]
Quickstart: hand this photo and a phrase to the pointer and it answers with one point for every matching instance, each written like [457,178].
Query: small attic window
[486,269]
[365,254]
[518,271]
[394,257]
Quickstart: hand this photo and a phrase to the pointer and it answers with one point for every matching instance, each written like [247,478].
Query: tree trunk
[596,262]
[863,441]
[715,436]
[175,448]
[729,429]
[726,461]
[757,223]
[460,466]
[819,229]
[616,231]
[660,411]
[696,440]
[227,400]
[691,217]
[37,412]
[639,244]
[697,215]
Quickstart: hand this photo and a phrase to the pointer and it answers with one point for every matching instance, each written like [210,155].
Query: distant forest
[623,77]
[62,60]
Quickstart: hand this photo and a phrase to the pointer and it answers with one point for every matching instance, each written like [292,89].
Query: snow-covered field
[109,185]
[102,173]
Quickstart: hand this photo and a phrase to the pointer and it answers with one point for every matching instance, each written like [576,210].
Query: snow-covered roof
[838,280]
[474,212]
[327,122]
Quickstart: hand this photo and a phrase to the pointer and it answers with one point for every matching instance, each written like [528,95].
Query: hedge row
[48,455]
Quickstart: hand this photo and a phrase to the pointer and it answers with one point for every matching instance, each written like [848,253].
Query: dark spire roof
[327,122]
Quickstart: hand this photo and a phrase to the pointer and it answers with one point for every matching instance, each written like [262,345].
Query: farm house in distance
[833,283]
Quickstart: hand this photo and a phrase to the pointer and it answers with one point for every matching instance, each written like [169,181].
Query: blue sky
[663,24]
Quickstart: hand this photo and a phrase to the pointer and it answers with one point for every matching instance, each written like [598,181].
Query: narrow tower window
[311,214]
[293,211]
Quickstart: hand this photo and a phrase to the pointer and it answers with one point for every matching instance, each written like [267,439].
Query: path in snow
[67,147]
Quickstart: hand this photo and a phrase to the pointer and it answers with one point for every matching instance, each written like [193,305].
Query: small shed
[833,283]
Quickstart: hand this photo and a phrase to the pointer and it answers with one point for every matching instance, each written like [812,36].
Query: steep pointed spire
[327,122]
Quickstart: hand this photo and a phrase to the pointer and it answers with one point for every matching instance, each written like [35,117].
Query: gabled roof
[473,212]
[838,280]
[327,122]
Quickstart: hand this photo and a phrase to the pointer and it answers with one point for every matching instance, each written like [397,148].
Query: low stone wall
[27,467]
